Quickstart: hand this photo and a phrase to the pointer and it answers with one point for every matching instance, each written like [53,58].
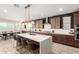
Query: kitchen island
[44,41]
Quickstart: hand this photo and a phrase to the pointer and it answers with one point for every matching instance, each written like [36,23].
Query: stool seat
[32,47]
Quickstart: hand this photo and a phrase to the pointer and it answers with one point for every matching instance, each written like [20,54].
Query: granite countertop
[36,37]
[65,34]
[51,33]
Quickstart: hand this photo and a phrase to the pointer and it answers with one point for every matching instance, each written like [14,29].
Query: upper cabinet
[39,23]
[65,21]
[55,22]
[76,18]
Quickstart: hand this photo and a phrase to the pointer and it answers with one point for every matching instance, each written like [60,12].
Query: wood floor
[9,47]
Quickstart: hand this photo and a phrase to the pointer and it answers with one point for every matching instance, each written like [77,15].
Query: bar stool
[11,35]
[21,44]
[0,37]
[32,48]
[4,35]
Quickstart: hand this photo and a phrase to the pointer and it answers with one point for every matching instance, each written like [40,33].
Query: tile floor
[64,49]
[9,47]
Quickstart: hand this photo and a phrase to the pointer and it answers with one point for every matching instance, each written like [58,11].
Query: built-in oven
[77,29]
[77,32]
[77,36]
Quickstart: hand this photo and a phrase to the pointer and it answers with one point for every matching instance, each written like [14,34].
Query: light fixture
[60,9]
[27,13]
[5,10]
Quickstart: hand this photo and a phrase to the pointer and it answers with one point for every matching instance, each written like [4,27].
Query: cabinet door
[52,22]
[54,38]
[38,24]
[55,22]
[63,39]
[76,43]
[76,18]
[59,39]
[70,40]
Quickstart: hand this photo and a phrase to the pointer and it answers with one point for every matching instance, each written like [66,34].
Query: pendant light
[27,13]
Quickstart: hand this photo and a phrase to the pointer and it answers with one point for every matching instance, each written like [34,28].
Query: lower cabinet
[66,39]
[76,43]
[63,39]
[70,40]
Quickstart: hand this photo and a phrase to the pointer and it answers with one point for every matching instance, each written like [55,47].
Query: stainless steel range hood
[47,25]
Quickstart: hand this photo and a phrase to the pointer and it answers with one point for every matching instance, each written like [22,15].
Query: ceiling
[36,11]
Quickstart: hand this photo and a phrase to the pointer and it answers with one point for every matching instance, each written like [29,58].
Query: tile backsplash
[53,30]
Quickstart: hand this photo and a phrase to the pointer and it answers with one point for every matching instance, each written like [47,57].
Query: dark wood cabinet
[70,40]
[39,23]
[66,39]
[76,43]
[58,38]
[44,21]
[76,24]
[55,22]
[76,18]
[63,39]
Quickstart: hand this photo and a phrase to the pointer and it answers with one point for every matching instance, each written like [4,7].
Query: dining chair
[4,35]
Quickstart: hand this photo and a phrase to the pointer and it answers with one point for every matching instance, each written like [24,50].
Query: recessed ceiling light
[60,9]
[5,11]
